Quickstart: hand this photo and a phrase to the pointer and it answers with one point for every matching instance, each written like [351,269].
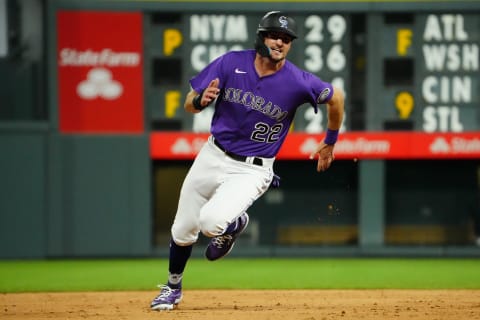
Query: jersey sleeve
[210,72]
[320,91]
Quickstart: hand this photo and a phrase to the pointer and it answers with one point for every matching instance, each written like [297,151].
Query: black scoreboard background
[180,45]
[447,72]
[430,76]
[399,71]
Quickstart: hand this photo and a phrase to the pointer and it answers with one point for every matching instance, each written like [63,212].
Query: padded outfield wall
[97,173]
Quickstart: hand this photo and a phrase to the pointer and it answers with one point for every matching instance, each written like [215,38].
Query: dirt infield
[245,304]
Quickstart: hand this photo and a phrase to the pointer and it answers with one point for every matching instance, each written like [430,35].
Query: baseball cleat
[220,246]
[167,299]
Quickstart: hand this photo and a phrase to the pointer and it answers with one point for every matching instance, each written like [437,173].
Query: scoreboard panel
[431,71]
[209,36]
[164,62]
[324,50]
[196,39]
[447,72]
[425,74]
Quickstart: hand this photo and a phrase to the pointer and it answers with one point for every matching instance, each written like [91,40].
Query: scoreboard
[180,45]
[447,77]
[415,72]
[430,76]
[324,50]
[412,71]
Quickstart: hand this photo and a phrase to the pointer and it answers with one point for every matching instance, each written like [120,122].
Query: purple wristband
[331,137]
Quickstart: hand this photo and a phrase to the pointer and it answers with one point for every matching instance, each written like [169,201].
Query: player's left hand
[325,156]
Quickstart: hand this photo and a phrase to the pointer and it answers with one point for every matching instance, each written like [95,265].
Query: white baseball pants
[217,190]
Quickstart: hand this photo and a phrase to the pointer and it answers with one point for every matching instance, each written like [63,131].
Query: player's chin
[275,57]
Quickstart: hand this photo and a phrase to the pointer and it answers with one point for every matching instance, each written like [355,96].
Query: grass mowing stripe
[341,273]
[80,275]
[144,274]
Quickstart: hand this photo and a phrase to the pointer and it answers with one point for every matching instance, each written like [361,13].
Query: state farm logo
[185,146]
[308,145]
[105,57]
[99,84]
[359,145]
[440,145]
[455,145]
[362,145]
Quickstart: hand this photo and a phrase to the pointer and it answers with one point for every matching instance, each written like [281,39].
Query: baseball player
[255,94]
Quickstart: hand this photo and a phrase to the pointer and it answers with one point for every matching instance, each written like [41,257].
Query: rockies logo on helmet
[283,22]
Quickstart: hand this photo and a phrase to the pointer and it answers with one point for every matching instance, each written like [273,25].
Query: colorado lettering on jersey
[257,103]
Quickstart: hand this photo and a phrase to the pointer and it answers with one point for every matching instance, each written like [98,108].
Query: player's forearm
[188,105]
[335,110]
[335,116]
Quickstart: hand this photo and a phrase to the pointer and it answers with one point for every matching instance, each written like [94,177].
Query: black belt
[257,161]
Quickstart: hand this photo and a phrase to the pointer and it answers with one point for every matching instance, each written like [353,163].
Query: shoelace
[165,292]
[220,240]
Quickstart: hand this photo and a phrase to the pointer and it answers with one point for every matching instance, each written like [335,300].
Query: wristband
[331,137]
[196,102]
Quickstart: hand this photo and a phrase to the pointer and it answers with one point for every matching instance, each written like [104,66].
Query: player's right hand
[211,92]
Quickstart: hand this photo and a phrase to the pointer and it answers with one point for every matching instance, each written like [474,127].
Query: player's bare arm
[335,110]
[195,102]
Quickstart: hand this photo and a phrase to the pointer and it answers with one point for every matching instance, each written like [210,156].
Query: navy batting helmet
[279,22]
[273,21]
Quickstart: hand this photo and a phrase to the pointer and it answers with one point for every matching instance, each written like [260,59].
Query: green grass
[144,274]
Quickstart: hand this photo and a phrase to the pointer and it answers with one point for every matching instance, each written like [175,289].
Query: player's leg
[200,184]
[224,216]
[193,195]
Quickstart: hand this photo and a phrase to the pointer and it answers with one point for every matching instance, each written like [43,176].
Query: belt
[256,160]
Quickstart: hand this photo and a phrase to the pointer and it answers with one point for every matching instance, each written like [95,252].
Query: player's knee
[182,242]
[211,226]
[183,238]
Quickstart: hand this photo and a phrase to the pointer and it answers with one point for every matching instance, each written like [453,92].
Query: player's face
[279,44]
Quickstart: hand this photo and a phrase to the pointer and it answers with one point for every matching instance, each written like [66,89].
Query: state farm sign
[100,72]
[455,145]
[351,145]
[389,145]
[106,57]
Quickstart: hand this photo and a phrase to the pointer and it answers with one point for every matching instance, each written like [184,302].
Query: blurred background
[94,142]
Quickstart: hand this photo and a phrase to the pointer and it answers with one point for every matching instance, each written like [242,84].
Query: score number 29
[314,61]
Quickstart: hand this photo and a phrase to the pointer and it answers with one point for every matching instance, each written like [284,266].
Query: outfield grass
[144,274]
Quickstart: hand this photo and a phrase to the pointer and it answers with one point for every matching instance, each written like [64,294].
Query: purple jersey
[252,114]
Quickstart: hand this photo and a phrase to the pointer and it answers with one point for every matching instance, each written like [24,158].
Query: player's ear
[260,46]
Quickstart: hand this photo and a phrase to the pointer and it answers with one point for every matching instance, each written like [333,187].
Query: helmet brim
[277,29]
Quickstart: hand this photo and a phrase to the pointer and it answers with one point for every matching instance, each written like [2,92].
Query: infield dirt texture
[248,304]
[244,289]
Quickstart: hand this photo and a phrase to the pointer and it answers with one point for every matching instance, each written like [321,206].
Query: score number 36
[335,58]
[336,26]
